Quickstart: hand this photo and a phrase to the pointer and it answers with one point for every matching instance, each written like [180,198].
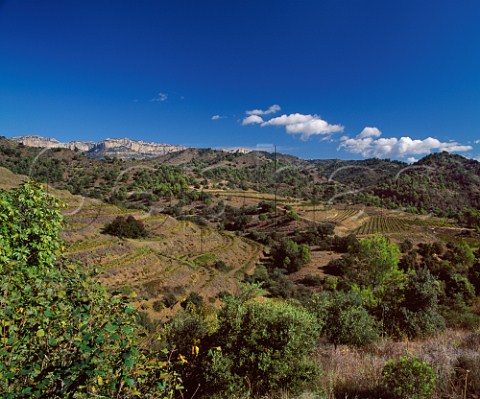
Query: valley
[217,226]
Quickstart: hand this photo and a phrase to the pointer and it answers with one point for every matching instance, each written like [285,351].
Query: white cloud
[160,97]
[252,119]
[369,132]
[271,110]
[216,117]
[305,125]
[476,142]
[412,159]
[370,146]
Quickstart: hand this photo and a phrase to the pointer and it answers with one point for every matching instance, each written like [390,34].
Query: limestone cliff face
[38,141]
[120,148]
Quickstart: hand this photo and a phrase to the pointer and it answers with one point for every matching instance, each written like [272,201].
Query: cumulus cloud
[370,145]
[369,132]
[412,159]
[160,97]
[271,110]
[216,117]
[304,125]
[252,119]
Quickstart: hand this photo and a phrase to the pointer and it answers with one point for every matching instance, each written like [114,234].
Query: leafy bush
[264,346]
[61,332]
[347,321]
[221,266]
[158,306]
[409,378]
[126,227]
[247,346]
[412,309]
[290,256]
[193,299]
[169,299]
[377,260]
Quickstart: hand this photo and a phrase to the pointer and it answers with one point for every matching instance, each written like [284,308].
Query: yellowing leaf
[40,333]
[182,358]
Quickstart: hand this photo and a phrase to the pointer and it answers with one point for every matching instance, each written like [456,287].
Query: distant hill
[441,183]
[120,148]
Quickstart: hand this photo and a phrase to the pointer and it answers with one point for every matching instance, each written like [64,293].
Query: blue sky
[319,79]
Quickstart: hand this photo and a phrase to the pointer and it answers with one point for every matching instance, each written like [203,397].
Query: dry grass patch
[357,373]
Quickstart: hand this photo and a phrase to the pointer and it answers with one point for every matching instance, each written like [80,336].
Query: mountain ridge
[124,148]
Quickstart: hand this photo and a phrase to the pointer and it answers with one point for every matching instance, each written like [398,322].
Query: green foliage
[221,266]
[290,256]
[325,229]
[412,309]
[193,299]
[169,299]
[469,217]
[377,259]
[158,306]
[264,346]
[128,227]
[347,321]
[409,378]
[459,290]
[406,246]
[460,256]
[250,346]
[61,333]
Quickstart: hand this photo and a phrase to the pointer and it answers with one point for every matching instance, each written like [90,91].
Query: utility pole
[276,186]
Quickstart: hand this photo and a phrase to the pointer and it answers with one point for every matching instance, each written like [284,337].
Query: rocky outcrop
[120,148]
[38,141]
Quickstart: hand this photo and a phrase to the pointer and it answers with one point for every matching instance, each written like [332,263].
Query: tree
[61,333]
[290,256]
[128,227]
[413,309]
[325,229]
[347,322]
[377,260]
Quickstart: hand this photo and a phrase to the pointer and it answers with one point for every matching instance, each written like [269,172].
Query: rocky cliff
[120,148]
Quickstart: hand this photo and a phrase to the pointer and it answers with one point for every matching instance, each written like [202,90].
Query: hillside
[354,273]
[176,258]
[440,183]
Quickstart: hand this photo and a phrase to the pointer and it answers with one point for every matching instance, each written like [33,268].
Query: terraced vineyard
[177,256]
[383,225]
[330,215]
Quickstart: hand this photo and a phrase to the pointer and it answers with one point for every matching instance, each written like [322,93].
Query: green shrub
[409,378]
[125,228]
[290,256]
[221,266]
[265,346]
[347,322]
[251,347]
[169,299]
[61,333]
[158,306]
[412,310]
[193,299]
